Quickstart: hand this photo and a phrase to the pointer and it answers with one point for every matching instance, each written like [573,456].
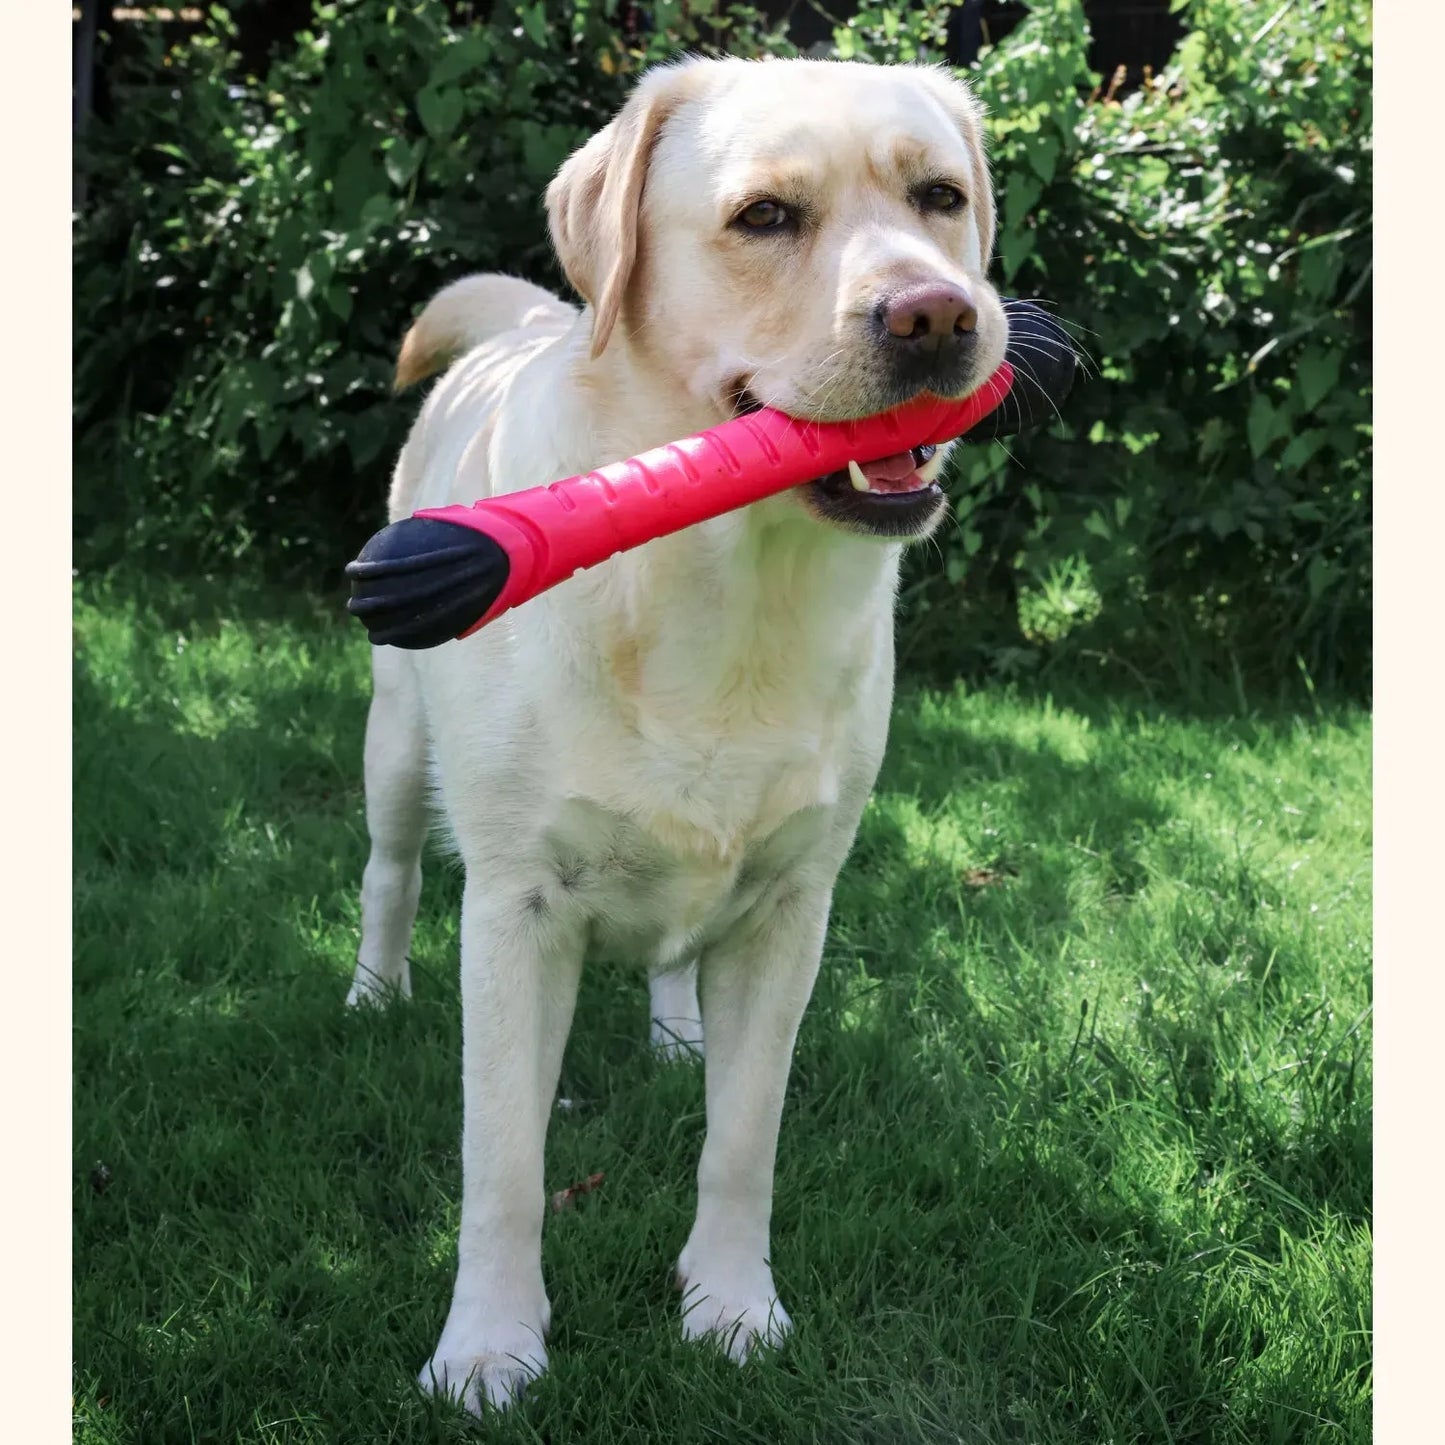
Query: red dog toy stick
[446,571]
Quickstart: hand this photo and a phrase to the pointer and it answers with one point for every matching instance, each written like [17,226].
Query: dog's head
[808,235]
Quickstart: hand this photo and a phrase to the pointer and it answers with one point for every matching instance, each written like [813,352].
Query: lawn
[1077,1144]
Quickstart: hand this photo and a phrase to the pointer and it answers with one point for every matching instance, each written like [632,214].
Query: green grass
[1077,1145]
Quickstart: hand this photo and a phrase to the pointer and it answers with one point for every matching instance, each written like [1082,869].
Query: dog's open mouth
[896,496]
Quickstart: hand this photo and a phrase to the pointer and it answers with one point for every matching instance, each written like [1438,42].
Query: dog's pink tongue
[891,474]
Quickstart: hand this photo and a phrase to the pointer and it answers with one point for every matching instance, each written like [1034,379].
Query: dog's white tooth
[931,468]
[860,482]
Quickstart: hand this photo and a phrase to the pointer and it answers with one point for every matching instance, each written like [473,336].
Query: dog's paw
[369,987]
[492,1371]
[739,1310]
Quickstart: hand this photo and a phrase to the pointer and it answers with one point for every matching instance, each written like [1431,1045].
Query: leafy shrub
[1211,237]
[258,249]
[258,246]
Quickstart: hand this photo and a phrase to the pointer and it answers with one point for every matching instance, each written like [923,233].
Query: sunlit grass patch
[1077,1145]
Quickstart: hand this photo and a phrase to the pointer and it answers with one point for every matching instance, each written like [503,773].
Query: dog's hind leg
[676,1030]
[396,817]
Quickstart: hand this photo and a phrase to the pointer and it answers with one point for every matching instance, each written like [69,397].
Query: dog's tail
[469,312]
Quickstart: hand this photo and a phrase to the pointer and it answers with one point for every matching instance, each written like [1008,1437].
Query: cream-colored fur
[664,759]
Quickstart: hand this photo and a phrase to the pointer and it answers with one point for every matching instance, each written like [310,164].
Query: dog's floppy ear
[967,112]
[594,202]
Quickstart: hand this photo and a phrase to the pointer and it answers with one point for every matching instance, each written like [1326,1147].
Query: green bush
[257,247]
[1210,235]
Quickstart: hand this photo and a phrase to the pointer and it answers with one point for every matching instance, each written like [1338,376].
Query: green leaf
[1263,424]
[338,298]
[402,159]
[1019,199]
[440,111]
[1014,248]
[289,241]
[357,179]
[1043,156]
[1319,269]
[1213,437]
[466,55]
[270,429]
[544,148]
[314,274]
[1316,375]
[1302,446]
[534,22]
[366,434]
[1319,575]
[1094,523]
[378,211]
[260,381]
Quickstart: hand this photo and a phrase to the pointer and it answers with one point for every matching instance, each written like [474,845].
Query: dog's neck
[767,599]
[630,403]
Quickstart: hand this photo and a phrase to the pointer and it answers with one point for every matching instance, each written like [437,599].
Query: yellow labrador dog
[666,758]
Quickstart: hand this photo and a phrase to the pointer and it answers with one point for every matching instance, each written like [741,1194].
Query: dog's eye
[941,198]
[765,216]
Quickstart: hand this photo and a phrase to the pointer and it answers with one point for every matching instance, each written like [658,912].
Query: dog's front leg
[755,986]
[520,969]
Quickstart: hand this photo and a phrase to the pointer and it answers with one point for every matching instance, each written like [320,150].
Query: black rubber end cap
[421,582]
[1044,362]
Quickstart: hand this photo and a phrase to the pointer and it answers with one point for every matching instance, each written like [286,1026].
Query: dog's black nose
[928,338]
[930,319]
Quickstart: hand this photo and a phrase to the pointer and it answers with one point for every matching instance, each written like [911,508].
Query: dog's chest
[656,894]
[708,754]
[707,721]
